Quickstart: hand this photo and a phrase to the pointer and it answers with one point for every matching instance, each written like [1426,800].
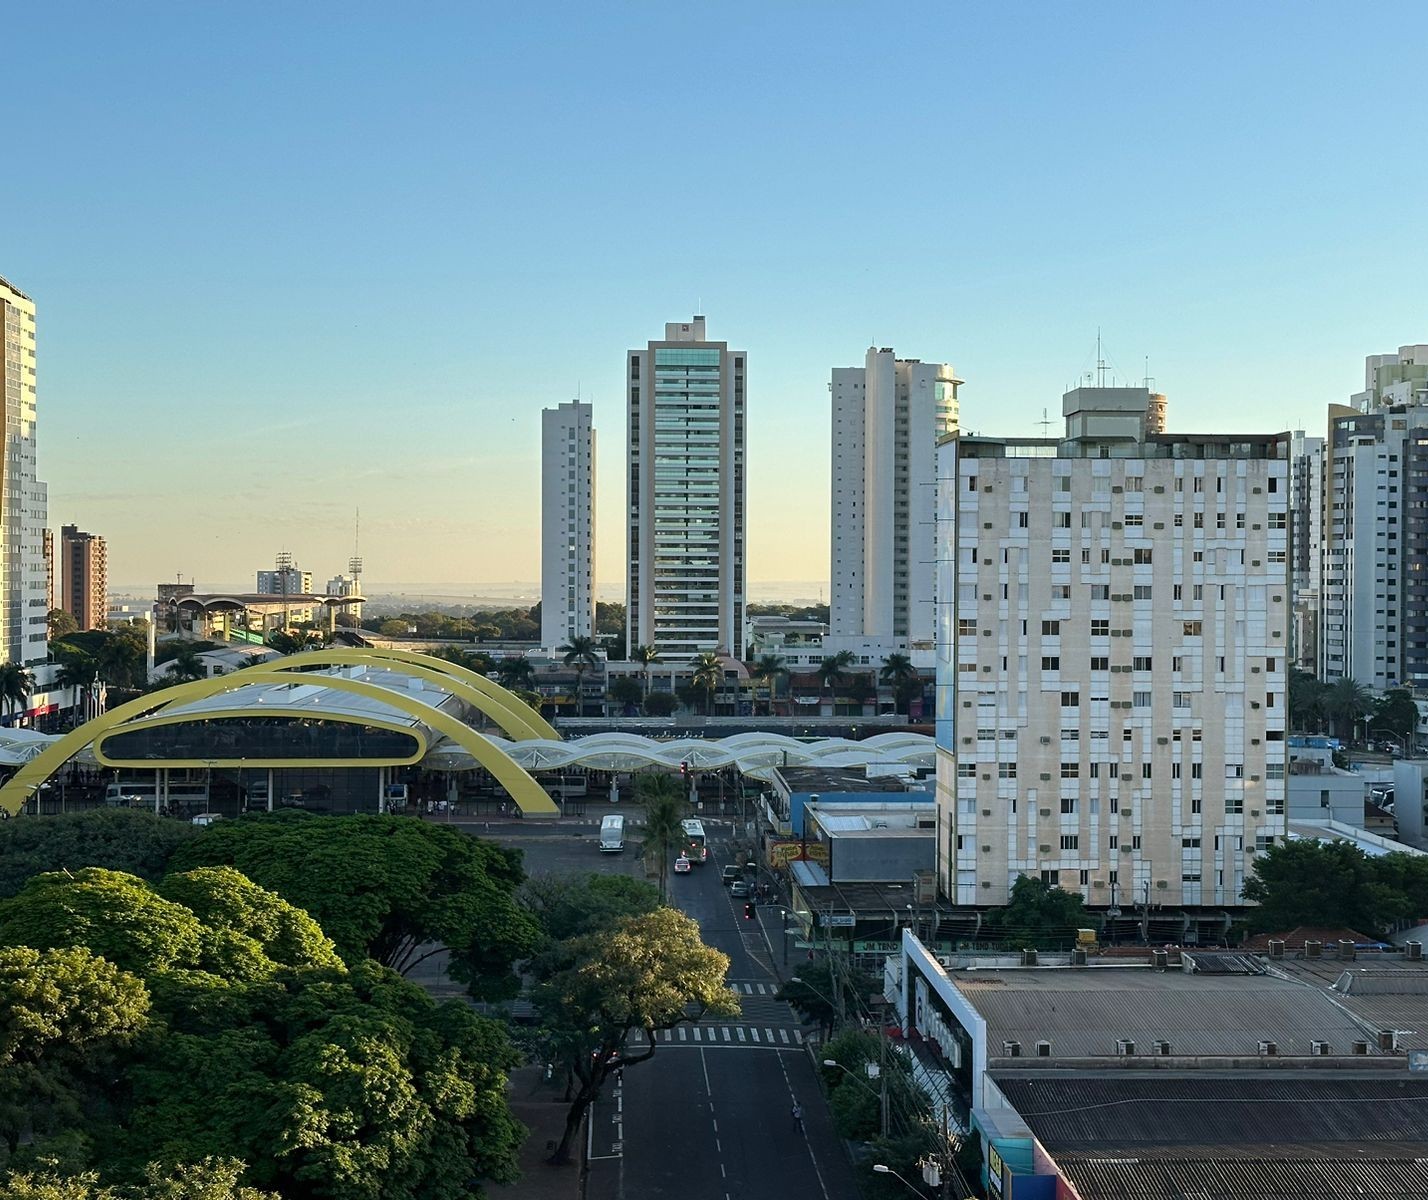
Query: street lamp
[880,1093]
[883,1169]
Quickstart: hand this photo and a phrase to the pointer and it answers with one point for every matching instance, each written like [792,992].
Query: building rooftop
[1229,1134]
[1084,1012]
[1189,446]
[841,779]
[1390,992]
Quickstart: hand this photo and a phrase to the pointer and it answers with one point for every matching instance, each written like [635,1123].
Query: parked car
[731,873]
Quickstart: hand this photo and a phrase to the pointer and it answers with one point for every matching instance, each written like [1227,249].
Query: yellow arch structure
[525,791]
[504,707]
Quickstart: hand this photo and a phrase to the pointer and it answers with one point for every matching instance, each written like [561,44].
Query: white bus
[695,848]
[612,834]
[152,794]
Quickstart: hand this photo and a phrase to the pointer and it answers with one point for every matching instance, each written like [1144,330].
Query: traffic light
[684,771]
[748,910]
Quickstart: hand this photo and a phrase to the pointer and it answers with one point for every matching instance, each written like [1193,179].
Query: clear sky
[292,259]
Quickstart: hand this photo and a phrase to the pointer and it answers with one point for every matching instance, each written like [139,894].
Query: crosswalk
[725,1035]
[755,989]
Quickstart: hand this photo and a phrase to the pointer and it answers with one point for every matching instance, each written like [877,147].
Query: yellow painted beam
[529,796]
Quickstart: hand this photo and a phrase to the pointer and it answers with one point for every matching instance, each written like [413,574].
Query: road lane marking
[727,1035]
[683,1034]
[754,1033]
[783,1033]
[740,1030]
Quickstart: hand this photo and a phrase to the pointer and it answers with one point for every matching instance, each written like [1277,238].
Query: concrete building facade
[84,577]
[24,502]
[1112,659]
[686,399]
[887,417]
[567,515]
[1306,546]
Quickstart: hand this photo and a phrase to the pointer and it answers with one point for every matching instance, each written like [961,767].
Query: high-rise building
[24,502]
[686,402]
[84,577]
[567,519]
[285,581]
[1374,601]
[1306,545]
[1112,660]
[48,543]
[888,415]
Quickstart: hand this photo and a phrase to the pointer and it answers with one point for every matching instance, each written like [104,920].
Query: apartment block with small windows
[1113,629]
[567,516]
[84,577]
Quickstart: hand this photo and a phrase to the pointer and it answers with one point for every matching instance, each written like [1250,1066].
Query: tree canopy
[1040,915]
[118,838]
[236,1035]
[386,887]
[1335,885]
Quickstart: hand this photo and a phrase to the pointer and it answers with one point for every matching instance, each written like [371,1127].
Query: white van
[612,834]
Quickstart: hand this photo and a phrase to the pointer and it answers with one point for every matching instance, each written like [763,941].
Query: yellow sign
[995,1167]
[782,853]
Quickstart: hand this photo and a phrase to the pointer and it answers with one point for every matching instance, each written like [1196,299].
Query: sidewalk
[539,1107]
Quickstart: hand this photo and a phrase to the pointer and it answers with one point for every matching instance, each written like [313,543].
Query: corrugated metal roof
[1083,1013]
[1245,1179]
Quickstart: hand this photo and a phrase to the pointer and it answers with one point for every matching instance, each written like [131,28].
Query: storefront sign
[995,1167]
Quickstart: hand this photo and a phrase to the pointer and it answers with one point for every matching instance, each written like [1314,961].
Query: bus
[612,834]
[180,792]
[694,848]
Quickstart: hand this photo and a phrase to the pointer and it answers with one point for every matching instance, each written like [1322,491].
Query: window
[1051,662]
[1070,735]
[1006,770]
[1277,520]
[1051,629]
[1100,663]
[1176,662]
[1175,770]
[971,483]
[1135,842]
[1061,591]
[1191,629]
[1143,556]
[1135,483]
[1061,556]
[1095,770]
[1021,520]
[1068,805]
[1142,591]
[1180,700]
[1179,520]
[1070,841]
[966,770]
[1070,770]
[1195,769]
[1199,521]
[1100,591]
[1113,842]
[1061,520]
[1051,878]
[1190,877]
[1234,770]
[1140,699]
[1070,699]
[1134,521]
[1274,770]
[1100,628]
[1145,772]
[1262,842]
[1085,878]
[1115,804]
[1141,662]
[1234,804]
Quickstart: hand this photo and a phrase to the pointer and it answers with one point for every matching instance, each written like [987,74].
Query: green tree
[1332,885]
[515,672]
[898,673]
[646,656]
[823,991]
[1306,702]
[660,704]
[16,684]
[707,677]
[78,669]
[1395,712]
[186,664]
[386,887]
[571,906]
[768,668]
[625,691]
[211,1179]
[650,974]
[1040,915]
[1345,702]
[61,622]
[665,807]
[293,641]
[609,618]
[833,670]
[580,653]
[119,839]
[393,627]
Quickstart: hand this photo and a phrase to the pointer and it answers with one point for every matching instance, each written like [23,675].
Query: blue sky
[292,259]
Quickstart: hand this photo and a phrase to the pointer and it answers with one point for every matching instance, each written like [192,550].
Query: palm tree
[186,665]
[898,673]
[833,670]
[580,653]
[769,667]
[708,675]
[515,673]
[1345,701]
[646,656]
[16,684]
[294,642]
[1306,702]
[118,660]
[664,810]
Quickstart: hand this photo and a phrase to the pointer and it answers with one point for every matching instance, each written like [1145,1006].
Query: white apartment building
[888,415]
[1112,660]
[1306,546]
[686,403]
[24,506]
[1374,604]
[567,519]
[285,581]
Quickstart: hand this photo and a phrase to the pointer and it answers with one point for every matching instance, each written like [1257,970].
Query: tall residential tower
[84,577]
[24,503]
[888,415]
[567,521]
[686,401]
[1112,661]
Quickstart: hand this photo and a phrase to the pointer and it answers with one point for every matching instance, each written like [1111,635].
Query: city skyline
[202,316]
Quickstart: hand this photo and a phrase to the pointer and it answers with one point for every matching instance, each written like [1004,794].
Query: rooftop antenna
[1100,361]
[1149,379]
[354,564]
[1045,423]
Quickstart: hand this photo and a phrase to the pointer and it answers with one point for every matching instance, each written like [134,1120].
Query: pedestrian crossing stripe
[746,1034]
[755,989]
